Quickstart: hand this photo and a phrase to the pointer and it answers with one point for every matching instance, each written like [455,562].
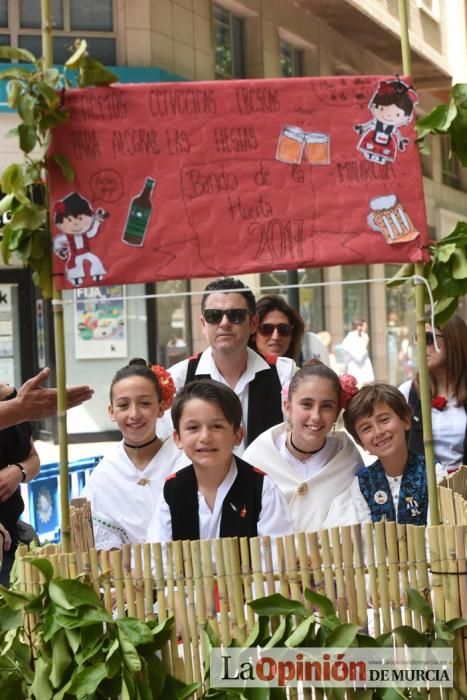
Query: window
[71,19]
[450,166]
[354,296]
[400,323]
[291,60]
[228,43]
[431,7]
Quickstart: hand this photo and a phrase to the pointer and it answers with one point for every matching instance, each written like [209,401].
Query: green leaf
[17,54]
[415,601]
[281,632]
[161,632]
[343,636]
[50,95]
[9,619]
[13,181]
[42,688]
[156,675]
[456,623]
[15,599]
[406,270]
[320,601]
[61,659]
[445,252]
[276,604]
[443,632]
[258,632]
[74,639]
[301,633]
[66,168]
[44,566]
[91,642]
[71,594]
[410,636]
[85,681]
[5,203]
[459,264]
[27,138]
[82,617]
[15,73]
[130,655]
[26,105]
[135,630]
[53,119]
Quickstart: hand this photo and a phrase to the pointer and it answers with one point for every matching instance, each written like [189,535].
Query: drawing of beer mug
[317,148]
[389,217]
[290,145]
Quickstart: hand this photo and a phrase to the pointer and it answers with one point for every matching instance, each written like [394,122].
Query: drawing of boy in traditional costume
[77,222]
[391,107]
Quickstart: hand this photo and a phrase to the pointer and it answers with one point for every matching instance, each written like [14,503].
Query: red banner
[183,180]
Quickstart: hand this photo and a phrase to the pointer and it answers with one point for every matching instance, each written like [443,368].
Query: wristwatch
[23,471]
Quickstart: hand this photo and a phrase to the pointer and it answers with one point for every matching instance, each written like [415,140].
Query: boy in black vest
[218,495]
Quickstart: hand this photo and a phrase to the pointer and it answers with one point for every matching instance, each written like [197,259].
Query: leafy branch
[35,92]
[446,271]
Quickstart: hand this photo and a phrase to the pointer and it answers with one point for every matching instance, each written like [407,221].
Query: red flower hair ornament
[349,388]
[166,384]
[59,207]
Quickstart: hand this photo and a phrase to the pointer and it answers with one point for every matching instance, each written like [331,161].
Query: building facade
[205,40]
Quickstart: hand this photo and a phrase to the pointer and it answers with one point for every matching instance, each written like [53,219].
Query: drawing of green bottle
[139,214]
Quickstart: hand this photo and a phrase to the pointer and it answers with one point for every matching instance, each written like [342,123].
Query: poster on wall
[100,323]
[183,180]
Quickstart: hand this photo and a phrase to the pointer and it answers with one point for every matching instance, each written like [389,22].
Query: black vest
[415,442]
[240,511]
[264,397]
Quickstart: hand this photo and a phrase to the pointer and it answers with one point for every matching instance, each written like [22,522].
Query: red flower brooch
[166,384]
[349,388]
[439,402]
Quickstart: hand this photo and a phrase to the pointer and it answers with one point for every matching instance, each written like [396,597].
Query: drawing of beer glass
[290,145]
[317,148]
[389,217]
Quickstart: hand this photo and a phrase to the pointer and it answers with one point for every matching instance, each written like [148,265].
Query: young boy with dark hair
[219,494]
[394,487]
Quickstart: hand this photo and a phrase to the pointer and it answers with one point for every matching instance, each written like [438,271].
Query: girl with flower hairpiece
[126,485]
[310,461]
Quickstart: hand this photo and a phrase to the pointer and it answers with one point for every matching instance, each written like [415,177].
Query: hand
[39,402]
[10,479]
[6,538]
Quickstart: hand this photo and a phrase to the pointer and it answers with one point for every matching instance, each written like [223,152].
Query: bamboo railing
[365,570]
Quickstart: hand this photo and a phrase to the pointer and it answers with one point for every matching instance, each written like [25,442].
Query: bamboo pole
[420,310]
[59,336]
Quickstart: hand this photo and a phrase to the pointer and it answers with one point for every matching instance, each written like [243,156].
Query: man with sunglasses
[228,318]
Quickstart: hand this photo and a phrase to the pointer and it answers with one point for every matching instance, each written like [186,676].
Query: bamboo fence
[364,569]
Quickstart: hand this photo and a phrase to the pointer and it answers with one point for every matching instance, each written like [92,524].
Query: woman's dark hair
[363,404]
[72,205]
[212,391]
[397,95]
[454,334]
[273,302]
[315,368]
[137,367]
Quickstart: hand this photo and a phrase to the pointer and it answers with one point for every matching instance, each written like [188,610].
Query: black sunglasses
[429,337]
[284,329]
[215,316]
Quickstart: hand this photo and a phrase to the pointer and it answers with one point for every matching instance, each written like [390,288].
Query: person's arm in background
[35,402]
[19,472]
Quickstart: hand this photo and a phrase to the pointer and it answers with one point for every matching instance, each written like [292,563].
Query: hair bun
[138,361]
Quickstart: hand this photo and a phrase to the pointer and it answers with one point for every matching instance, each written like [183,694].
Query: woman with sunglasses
[280,328]
[447,368]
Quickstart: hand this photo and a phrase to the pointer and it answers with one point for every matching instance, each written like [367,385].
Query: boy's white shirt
[274,520]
